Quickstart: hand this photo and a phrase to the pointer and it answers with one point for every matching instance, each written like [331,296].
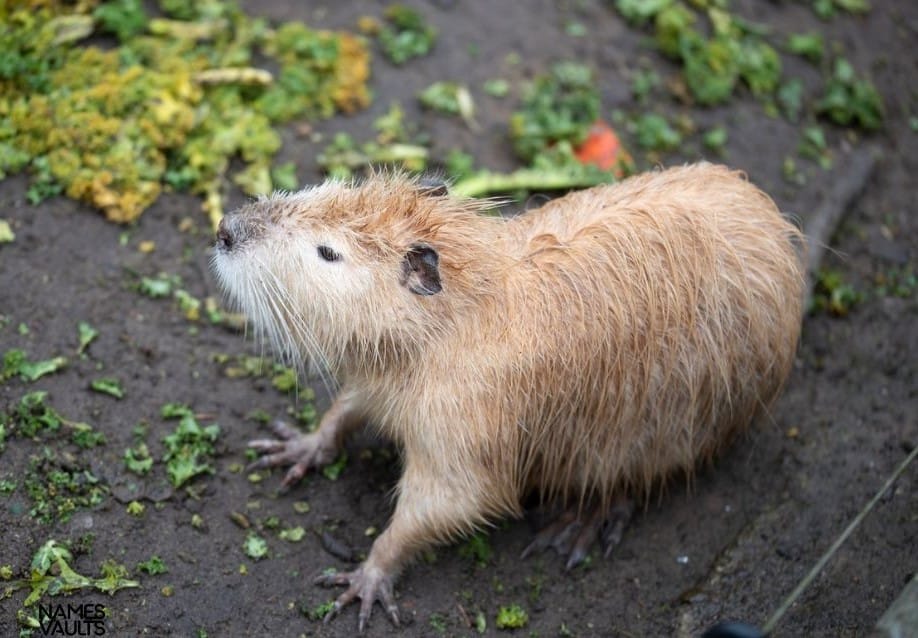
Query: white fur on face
[296,301]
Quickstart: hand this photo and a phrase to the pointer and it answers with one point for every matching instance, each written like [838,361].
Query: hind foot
[573,533]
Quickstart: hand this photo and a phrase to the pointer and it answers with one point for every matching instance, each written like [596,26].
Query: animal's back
[655,319]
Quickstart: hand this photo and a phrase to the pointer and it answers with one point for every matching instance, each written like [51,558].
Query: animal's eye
[328,254]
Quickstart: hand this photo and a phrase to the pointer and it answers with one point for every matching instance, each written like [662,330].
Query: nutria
[584,351]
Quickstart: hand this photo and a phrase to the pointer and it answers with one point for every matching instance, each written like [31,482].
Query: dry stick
[845,188]
[792,598]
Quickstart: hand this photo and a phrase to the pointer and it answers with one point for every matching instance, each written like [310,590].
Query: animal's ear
[433,186]
[421,270]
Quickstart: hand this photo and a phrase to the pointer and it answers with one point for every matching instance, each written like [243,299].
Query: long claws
[266,446]
[612,529]
[388,601]
[294,474]
[393,615]
[284,431]
[331,580]
[572,536]
[269,460]
[369,586]
[332,613]
[580,547]
[366,608]
[550,536]
[284,434]
[292,448]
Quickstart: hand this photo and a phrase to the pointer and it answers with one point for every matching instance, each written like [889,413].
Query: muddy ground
[731,547]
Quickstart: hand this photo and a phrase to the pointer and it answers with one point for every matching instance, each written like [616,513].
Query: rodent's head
[345,272]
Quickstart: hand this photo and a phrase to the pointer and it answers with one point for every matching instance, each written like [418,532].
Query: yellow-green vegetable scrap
[169,107]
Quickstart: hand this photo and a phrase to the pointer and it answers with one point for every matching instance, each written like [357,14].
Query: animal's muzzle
[236,229]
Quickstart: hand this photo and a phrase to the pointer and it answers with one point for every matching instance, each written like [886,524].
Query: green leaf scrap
[87,335]
[109,386]
[333,470]
[16,363]
[137,459]
[255,546]
[851,101]
[406,35]
[189,447]
[512,617]
[557,107]
[6,232]
[154,566]
[51,574]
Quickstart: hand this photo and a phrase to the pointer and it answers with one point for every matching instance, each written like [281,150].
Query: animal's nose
[239,228]
[225,238]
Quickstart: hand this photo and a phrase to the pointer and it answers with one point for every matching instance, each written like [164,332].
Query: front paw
[294,448]
[369,584]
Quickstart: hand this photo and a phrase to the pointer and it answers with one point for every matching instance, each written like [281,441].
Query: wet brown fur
[590,347]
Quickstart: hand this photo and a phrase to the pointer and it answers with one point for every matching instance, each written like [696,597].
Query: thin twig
[794,595]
